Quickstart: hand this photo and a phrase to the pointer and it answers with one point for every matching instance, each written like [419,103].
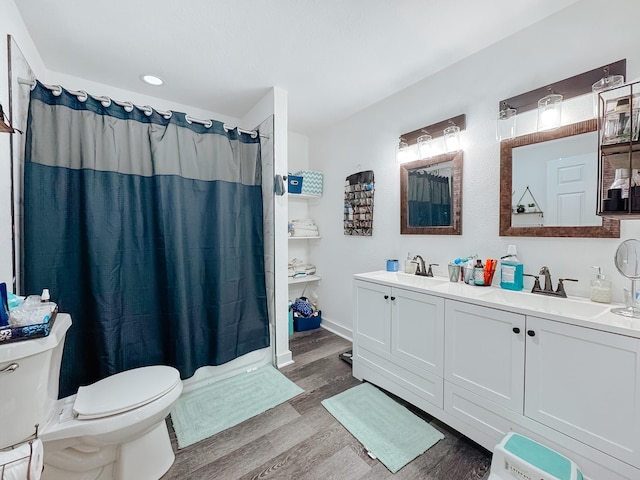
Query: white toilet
[113,429]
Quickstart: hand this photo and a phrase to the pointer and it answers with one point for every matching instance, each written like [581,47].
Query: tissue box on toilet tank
[311,182]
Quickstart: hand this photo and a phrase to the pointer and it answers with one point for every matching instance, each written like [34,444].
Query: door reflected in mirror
[554,183]
[548,184]
[430,195]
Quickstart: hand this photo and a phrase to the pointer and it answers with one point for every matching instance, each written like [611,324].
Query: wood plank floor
[300,440]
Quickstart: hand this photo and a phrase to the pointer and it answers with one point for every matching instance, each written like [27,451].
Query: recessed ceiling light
[152,80]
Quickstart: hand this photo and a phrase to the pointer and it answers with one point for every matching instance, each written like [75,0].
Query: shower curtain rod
[128,107]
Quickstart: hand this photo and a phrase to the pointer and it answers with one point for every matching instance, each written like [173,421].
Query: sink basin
[407,279]
[554,305]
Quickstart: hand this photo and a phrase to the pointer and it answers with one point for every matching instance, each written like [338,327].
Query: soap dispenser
[409,265]
[600,288]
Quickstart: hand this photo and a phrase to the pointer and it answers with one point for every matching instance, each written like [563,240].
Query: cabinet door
[417,329]
[372,326]
[586,384]
[484,352]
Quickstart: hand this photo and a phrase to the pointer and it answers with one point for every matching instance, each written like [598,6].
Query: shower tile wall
[268,173]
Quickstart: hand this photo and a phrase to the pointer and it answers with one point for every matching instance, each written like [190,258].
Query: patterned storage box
[312,182]
[16,334]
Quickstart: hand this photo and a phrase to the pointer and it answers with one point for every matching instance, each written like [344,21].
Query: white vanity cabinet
[399,334]
[585,383]
[487,368]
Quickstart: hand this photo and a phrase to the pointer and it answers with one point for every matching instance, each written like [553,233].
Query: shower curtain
[148,231]
[429,200]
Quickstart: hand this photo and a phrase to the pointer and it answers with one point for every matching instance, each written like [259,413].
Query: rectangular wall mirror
[431,196]
[548,184]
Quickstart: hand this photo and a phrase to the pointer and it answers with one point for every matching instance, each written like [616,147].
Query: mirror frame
[456,194]
[610,227]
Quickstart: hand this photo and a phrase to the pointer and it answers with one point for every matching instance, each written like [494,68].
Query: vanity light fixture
[549,111]
[451,137]
[558,92]
[424,145]
[421,143]
[151,80]
[5,126]
[605,83]
[403,154]
[506,122]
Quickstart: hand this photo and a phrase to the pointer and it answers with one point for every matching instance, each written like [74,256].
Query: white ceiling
[334,57]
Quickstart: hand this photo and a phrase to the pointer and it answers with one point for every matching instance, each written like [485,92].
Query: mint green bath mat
[386,429]
[213,408]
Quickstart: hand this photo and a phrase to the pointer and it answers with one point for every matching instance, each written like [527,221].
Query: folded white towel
[303,222]
[23,462]
[304,232]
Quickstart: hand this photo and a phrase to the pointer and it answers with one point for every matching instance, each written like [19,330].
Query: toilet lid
[124,391]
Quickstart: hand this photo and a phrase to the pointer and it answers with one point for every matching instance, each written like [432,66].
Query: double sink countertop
[572,310]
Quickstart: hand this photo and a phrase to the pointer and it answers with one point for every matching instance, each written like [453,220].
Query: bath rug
[385,428]
[213,408]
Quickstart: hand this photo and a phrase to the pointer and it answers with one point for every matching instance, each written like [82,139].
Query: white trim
[336,328]
[284,359]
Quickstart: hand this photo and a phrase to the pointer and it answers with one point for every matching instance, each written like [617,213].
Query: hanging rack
[128,107]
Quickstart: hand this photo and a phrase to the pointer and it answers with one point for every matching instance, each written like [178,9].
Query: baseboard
[284,359]
[337,329]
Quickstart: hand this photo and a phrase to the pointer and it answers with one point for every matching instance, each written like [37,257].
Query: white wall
[579,38]
[10,24]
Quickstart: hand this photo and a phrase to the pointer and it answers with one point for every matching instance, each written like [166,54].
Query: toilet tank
[29,375]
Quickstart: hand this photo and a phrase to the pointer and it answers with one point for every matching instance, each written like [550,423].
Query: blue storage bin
[301,324]
[294,184]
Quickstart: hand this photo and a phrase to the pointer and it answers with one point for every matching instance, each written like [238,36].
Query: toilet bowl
[113,429]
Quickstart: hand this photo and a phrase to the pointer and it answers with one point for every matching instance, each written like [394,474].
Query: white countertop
[573,310]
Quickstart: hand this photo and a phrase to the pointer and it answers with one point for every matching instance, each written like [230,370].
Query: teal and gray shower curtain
[429,200]
[148,231]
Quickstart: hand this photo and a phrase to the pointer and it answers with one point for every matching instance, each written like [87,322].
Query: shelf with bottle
[304,279]
[302,195]
[308,237]
[619,152]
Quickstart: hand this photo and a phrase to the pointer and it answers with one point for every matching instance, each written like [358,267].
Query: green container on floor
[290,318]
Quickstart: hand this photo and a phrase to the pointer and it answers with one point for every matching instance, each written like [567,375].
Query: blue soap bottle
[511,270]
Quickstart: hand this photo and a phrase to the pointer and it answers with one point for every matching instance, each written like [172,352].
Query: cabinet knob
[386,297]
[531,333]
[393,298]
[516,330]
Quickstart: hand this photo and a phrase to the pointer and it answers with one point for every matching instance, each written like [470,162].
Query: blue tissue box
[295,184]
[39,330]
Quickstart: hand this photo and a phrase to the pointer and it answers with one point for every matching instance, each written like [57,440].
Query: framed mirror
[548,184]
[431,196]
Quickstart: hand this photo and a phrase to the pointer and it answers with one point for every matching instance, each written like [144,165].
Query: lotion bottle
[600,288]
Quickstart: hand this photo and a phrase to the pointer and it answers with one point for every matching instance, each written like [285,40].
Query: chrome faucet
[421,267]
[548,284]
[420,270]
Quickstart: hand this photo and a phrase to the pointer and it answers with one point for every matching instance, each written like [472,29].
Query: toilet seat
[134,388]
